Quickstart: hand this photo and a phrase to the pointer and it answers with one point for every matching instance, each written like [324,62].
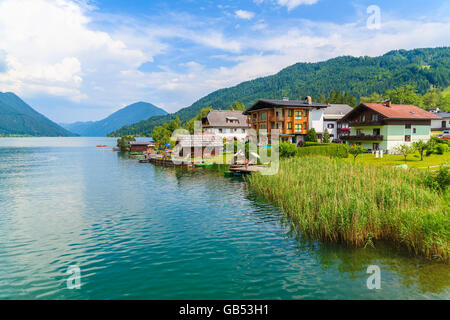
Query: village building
[443,123]
[227,124]
[198,145]
[385,126]
[331,120]
[141,146]
[293,118]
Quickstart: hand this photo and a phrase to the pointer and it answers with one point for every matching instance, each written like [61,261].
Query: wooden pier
[244,170]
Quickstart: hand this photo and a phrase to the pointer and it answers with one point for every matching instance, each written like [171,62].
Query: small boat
[101,146]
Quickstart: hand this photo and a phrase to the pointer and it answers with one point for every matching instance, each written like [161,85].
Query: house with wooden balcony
[384,126]
[292,118]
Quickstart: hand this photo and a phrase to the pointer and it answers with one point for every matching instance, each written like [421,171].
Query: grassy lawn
[413,160]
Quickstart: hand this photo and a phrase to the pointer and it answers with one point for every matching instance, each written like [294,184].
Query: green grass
[337,201]
[413,160]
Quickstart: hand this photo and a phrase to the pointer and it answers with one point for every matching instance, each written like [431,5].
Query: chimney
[308,99]
[388,103]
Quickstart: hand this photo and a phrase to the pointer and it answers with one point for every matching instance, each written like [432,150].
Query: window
[358,132]
[272,125]
[376,132]
[290,125]
[374,117]
[298,115]
[298,128]
[290,113]
[407,126]
[414,130]
[262,116]
[408,138]
[362,118]
[330,126]
[220,130]
[263,126]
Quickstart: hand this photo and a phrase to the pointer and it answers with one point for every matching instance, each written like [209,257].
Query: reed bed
[337,201]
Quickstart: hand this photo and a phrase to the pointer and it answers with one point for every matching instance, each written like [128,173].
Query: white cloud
[291,4]
[49,47]
[243,14]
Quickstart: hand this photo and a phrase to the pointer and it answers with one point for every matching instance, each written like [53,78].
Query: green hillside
[126,116]
[358,76]
[18,118]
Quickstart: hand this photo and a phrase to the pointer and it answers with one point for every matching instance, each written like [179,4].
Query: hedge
[330,150]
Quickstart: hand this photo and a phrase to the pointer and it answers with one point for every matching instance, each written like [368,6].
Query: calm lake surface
[138,231]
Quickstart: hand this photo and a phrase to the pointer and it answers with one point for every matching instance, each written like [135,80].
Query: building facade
[226,124]
[385,126]
[292,118]
[331,120]
[443,123]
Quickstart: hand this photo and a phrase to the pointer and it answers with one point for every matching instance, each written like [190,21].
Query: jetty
[244,170]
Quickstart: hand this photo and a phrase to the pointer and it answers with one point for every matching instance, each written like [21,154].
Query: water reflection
[147,232]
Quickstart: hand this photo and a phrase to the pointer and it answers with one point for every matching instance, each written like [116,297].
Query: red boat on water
[101,146]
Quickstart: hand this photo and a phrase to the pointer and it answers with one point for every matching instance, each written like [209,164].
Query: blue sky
[81,60]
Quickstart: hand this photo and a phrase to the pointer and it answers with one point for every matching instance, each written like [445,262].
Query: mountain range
[18,118]
[359,76]
[128,115]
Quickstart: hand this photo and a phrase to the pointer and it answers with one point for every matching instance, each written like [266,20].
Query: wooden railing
[363,137]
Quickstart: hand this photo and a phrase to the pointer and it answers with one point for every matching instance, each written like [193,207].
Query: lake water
[137,231]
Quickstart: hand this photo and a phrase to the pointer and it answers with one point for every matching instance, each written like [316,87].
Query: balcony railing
[363,137]
[365,123]
[276,118]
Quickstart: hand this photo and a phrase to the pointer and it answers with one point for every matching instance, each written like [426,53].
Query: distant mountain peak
[18,118]
[127,115]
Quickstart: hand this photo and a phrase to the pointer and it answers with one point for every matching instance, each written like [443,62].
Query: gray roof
[199,140]
[336,111]
[218,118]
[443,114]
[266,104]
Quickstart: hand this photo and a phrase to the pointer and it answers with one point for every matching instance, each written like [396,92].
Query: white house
[443,123]
[226,124]
[332,115]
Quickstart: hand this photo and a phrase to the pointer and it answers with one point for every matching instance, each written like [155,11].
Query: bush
[287,150]
[441,148]
[440,141]
[318,144]
[330,150]
[439,182]
[311,135]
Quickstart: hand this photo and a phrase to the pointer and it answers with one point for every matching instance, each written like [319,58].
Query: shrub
[326,136]
[331,150]
[317,144]
[439,182]
[287,150]
[441,148]
[311,136]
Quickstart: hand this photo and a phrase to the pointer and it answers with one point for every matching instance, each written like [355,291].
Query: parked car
[446,132]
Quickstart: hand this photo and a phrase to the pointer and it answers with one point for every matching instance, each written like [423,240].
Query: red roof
[401,111]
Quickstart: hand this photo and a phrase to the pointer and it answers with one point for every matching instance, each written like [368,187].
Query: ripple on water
[145,232]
